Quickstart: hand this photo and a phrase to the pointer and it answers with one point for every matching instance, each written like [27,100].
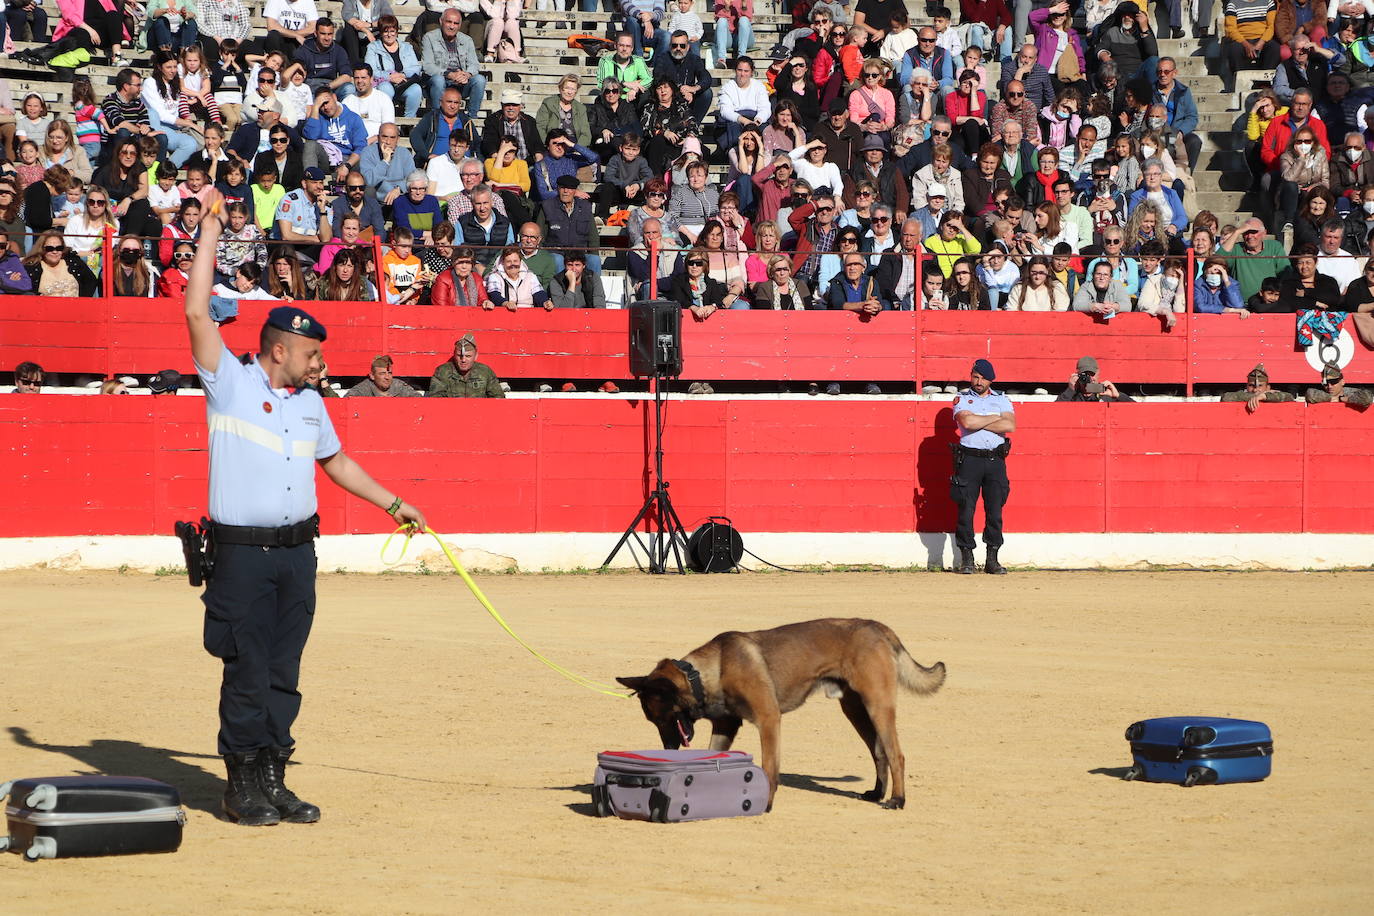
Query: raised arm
[206,343]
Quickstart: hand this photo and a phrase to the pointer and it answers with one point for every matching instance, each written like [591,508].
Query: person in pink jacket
[1055,37]
[871,105]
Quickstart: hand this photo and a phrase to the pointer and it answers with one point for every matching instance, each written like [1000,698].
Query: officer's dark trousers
[258,610]
[987,476]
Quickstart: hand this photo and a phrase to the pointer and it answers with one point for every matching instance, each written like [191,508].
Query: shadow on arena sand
[200,789]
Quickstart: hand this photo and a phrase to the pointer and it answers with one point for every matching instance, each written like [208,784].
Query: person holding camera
[1085,386]
[984,419]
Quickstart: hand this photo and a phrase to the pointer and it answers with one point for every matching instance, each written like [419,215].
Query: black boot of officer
[992,567]
[244,802]
[272,780]
[965,566]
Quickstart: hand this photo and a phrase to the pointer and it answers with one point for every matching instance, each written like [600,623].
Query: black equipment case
[68,816]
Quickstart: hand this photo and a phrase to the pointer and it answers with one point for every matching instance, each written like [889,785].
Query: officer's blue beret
[981,366]
[295,321]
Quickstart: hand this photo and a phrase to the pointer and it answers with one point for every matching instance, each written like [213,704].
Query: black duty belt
[983,452]
[252,536]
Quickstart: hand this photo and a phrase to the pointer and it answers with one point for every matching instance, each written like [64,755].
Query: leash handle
[410,529]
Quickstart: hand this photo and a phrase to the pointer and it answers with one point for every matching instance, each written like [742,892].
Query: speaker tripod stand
[671,536]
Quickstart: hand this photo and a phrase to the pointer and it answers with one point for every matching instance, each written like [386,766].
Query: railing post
[379,272]
[1190,279]
[917,295]
[107,261]
[653,271]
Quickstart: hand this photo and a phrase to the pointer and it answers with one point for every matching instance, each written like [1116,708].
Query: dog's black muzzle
[677,732]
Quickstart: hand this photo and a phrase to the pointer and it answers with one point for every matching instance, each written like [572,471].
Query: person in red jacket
[460,284]
[1281,128]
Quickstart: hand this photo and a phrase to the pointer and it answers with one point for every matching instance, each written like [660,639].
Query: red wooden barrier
[134,465]
[145,335]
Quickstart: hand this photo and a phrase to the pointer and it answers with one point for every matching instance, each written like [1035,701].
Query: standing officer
[985,418]
[267,431]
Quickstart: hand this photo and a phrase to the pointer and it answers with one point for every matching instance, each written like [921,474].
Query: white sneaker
[489,59]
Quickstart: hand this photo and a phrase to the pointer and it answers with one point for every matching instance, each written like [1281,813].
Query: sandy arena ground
[453,769]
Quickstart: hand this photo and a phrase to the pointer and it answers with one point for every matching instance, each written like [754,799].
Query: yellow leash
[578,679]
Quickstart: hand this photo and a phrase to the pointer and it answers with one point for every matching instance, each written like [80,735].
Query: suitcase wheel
[1200,776]
[601,801]
[1133,773]
[43,847]
[1194,774]
[4,843]
[42,798]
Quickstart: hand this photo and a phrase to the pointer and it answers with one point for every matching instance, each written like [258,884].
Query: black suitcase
[69,816]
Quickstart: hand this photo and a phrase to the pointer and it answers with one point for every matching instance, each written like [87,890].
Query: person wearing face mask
[1216,293]
[1302,167]
[1165,295]
[1359,222]
[1352,169]
[1283,126]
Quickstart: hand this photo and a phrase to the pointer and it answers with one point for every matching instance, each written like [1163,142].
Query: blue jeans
[982,36]
[744,37]
[411,97]
[660,39]
[160,34]
[473,91]
[176,145]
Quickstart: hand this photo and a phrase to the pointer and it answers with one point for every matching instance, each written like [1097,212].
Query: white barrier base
[565,552]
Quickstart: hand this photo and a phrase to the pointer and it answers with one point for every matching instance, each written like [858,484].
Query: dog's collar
[693,678]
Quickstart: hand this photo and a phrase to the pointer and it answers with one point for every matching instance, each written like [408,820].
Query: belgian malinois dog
[761,675]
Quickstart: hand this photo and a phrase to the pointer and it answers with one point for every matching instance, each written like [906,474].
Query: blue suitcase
[1200,750]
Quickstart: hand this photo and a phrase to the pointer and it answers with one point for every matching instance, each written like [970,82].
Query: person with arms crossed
[266,426]
[984,418]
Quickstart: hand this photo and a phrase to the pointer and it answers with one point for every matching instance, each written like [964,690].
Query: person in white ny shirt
[374,108]
[289,24]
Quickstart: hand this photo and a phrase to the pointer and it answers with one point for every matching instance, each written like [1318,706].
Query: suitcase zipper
[60,819]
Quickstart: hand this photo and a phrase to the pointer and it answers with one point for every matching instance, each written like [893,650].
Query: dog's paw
[894,804]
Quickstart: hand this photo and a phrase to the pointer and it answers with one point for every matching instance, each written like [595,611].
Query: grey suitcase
[683,785]
[67,816]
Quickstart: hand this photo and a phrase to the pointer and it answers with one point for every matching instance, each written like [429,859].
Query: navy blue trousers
[259,606]
[988,477]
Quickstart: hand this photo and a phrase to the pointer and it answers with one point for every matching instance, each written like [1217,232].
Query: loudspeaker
[656,338]
[715,547]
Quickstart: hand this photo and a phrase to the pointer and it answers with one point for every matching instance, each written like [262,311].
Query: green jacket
[1272,396]
[480,382]
[544,267]
[635,71]
[550,117]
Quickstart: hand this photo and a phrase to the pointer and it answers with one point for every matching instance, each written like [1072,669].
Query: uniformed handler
[267,431]
[985,418]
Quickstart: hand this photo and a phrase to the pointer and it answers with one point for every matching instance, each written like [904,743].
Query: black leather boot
[272,780]
[965,566]
[992,567]
[244,802]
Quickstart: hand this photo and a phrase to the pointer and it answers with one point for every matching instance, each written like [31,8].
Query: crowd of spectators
[864,161]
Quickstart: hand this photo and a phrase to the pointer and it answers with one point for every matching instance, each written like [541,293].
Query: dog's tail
[916,677]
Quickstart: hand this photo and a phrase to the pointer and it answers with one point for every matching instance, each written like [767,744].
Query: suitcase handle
[632,781]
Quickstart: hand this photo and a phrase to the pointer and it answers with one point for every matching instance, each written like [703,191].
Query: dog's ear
[650,684]
[634,683]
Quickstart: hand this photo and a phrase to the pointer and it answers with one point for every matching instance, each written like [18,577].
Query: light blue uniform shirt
[994,402]
[264,442]
[297,210]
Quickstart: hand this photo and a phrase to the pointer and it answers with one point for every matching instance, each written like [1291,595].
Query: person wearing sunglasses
[28,378]
[927,53]
[171,283]
[871,104]
[55,270]
[695,290]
